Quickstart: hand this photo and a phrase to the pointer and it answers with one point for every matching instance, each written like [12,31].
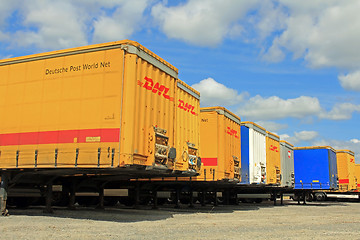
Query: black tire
[320,196]
[309,197]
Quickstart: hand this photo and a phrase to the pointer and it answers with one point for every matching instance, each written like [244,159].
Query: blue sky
[291,66]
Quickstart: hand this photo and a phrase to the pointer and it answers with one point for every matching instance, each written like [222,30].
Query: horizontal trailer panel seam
[61,136]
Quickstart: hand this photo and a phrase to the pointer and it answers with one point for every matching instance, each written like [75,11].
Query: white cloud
[276,108]
[48,25]
[350,81]
[353,145]
[320,32]
[340,111]
[6,8]
[299,137]
[272,126]
[217,94]
[306,135]
[261,109]
[122,23]
[270,17]
[204,23]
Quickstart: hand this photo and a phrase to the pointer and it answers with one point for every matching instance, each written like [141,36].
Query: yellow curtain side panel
[187,134]
[104,105]
[220,144]
[273,160]
[346,170]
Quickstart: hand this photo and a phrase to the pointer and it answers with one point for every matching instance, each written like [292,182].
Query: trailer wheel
[320,196]
[309,197]
[296,197]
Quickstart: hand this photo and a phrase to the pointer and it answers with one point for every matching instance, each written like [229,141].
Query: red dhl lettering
[156,88]
[232,132]
[352,160]
[274,148]
[187,107]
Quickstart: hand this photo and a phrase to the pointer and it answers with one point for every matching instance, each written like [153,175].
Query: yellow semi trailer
[114,108]
[273,162]
[220,145]
[346,170]
[101,106]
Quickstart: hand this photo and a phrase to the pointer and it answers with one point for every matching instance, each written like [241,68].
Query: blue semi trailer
[315,168]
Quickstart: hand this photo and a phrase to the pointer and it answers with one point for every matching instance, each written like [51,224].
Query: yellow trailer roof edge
[127,45]
[223,111]
[188,89]
[273,136]
[345,151]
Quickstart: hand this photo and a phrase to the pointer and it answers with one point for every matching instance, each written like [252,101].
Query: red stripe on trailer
[63,136]
[209,161]
[343,180]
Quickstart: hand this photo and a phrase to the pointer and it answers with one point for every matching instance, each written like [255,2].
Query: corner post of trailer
[155,198]
[137,195]
[227,197]
[216,201]
[72,190]
[191,197]
[101,197]
[274,195]
[298,195]
[236,198]
[203,197]
[304,197]
[49,197]
[177,200]
[3,193]
[191,204]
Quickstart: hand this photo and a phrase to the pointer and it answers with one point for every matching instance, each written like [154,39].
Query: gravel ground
[327,220]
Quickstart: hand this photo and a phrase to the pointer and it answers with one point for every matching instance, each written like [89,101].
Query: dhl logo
[352,160]
[274,148]
[187,107]
[232,132]
[156,88]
